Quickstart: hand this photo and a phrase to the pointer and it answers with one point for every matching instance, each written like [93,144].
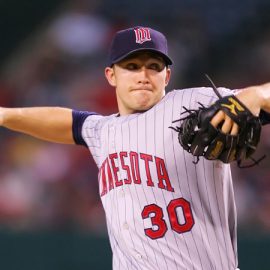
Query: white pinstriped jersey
[162,210]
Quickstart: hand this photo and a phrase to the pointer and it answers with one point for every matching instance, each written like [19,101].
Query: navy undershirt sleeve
[264,117]
[78,118]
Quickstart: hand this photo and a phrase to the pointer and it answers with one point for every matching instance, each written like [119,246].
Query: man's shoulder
[198,93]
[94,118]
[184,94]
[198,90]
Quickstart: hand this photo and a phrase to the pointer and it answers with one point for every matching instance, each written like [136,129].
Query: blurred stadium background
[53,53]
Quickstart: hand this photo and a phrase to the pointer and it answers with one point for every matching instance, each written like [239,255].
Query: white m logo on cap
[142,35]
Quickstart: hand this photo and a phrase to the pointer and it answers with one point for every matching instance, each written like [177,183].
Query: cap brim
[166,58]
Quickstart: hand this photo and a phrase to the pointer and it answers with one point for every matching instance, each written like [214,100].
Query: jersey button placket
[113,144]
[125,226]
[122,193]
[112,135]
[139,256]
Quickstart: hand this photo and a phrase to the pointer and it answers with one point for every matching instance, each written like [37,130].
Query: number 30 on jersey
[159,225]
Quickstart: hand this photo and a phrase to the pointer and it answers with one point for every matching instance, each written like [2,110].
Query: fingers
[217,119]
[227,124]
[235,129]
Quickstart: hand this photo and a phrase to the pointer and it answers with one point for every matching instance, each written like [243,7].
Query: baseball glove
[197,136]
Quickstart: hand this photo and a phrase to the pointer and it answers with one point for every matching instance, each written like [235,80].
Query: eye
[131,66]
[156,66]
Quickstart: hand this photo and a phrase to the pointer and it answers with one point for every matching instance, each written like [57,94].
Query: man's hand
[1,116]
[228,126]
[254,98]
[3,112]
[227,130]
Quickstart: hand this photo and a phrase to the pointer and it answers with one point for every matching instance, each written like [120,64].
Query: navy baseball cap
[139,38]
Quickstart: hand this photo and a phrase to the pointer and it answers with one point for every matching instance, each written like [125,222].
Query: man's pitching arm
[52,124]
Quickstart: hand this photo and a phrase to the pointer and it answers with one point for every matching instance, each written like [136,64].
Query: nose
[143,76]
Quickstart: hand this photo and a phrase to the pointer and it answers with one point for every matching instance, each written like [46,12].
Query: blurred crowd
[49,186]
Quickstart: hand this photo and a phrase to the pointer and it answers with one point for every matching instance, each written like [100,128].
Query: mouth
[142,89]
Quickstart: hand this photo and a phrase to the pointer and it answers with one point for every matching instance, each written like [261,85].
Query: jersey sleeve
[78,118]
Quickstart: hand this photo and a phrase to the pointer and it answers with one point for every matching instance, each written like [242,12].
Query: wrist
[252,98]
[264,95]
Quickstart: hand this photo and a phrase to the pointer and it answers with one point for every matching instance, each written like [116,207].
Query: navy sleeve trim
[264,117]
[78,118]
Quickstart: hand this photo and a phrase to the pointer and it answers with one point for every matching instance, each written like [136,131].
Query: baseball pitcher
[164,174]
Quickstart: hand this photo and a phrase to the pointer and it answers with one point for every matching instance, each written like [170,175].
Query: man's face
[140,81]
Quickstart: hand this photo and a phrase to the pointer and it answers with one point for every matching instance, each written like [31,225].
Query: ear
[110,76]
[168,76]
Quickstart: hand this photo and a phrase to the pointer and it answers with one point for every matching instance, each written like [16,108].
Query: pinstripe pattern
[167,174]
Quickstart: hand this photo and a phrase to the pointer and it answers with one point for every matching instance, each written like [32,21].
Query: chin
[144,107]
